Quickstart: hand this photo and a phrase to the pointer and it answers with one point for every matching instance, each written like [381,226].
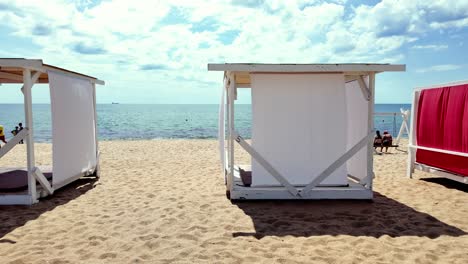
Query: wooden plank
[11,76]
[456,153]
[21,63]
[316,68]
[336,164]
[43,180]
[441,173]
[364,89]
[13,142]
[231,86]
[29,138]
[266,165]
[412,135]
[370,125]
[73,74]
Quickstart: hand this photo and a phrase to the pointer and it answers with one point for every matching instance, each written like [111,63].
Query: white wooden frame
[357,189]
[31,70]
[413,141]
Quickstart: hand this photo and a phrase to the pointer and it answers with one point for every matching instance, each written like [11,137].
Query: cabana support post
[370,125]
[31,163]
[239,75]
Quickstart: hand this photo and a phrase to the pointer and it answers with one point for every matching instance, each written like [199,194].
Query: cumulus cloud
[177,38]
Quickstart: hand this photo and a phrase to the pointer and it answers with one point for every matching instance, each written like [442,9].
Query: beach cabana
[312,130]
[74,132]
[438,140]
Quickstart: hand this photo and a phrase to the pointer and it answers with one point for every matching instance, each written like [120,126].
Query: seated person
[387,140]
[378,141]
[2,135]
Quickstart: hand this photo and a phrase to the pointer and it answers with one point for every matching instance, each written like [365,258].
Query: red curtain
[443,124]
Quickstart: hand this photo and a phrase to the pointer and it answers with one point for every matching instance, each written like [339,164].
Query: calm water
[122,121]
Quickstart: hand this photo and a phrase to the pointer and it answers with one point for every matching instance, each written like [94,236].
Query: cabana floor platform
[16,179]
[441,173]
[353,190]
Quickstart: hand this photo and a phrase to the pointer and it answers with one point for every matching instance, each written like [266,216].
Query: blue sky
[157,51]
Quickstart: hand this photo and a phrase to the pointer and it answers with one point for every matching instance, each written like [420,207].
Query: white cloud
[165,45]
[440,68]
[430,47]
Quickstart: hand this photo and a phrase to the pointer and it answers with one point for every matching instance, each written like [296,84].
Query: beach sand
[163,201]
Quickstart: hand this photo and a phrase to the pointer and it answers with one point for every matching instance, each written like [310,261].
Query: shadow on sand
[384,216]
[21,214]
[447,183]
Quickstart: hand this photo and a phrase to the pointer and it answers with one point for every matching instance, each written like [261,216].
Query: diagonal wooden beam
[335,165]
[42,180]
[13,142]
[34,79]
[364,89]
[266,165]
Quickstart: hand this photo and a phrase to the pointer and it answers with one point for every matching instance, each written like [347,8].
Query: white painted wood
[21,63]
[38,65]
[34,79]
[43,180]
[441,173]
[16,199]
[370,125]
[266,165]
[96,131]
[13,142]
[291,68]
[412,135]
[345,157]
[74,75]
[364,89]
[31,164]
[353,191]
[456,153]
[404,125]
[231,128]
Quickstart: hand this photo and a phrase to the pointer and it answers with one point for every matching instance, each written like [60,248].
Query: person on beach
[378,141]
[2,135]
[20,128]
[387,140]
[15,131]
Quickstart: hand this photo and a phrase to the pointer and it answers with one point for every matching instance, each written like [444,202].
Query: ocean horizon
[161,121]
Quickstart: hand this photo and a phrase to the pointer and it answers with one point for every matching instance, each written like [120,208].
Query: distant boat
[114,103]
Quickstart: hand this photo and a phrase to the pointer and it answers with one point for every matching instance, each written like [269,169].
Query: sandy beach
[163,201]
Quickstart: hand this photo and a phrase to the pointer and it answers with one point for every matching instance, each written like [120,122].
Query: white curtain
[73,127]
[299,125]
[357,108]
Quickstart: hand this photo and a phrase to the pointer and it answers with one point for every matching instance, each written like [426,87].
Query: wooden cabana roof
[242,70]
[11,70]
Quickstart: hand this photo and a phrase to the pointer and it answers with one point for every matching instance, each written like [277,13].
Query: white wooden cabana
[74,131]
[312,130]
[438,142]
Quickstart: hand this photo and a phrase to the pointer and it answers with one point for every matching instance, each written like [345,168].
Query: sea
[162,121]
